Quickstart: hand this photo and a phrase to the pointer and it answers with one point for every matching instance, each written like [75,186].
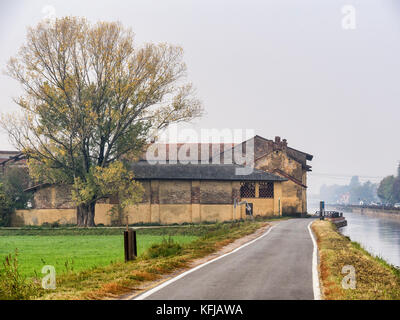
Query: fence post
[130,245]
[134,244]
[126,245]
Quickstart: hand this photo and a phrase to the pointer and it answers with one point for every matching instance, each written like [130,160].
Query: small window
[248,190]
[266,190]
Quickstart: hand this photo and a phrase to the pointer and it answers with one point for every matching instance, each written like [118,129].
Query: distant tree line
[352,193]
[389,188]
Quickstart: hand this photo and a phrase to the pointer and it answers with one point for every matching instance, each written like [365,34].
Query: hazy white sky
[280,67]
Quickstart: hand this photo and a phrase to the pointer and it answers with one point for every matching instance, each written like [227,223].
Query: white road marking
[166,283]
[315,276]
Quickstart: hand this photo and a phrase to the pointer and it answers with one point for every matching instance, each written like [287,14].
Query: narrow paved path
[277,266]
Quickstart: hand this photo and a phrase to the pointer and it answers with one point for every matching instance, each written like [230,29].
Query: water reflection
[380,236]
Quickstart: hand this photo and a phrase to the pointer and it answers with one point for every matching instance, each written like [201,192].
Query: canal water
[378,235]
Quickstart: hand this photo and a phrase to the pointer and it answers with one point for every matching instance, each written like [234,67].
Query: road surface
[276,266]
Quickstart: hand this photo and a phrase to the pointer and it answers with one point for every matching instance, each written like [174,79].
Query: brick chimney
[280,145]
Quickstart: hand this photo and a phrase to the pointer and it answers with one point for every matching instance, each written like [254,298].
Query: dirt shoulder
[340,258]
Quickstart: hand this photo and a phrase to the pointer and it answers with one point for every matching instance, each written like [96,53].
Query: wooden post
[126,245]
[130,245]
[134,244]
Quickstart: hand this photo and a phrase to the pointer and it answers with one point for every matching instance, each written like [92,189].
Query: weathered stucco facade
[276,157]
[195,192]
[172,194]
[165,202]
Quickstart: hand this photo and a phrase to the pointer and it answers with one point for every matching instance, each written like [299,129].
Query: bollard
[321,210]
[130,245]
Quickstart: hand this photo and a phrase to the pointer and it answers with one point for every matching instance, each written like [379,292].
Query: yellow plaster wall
[37,217]
[216,212]
[294,196]
[149,212]
[175,213]
[261,206]
[196,213]
[278,199]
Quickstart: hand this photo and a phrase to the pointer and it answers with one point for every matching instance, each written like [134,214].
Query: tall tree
[354,182]
[92,99]
[396,187]
[385,189]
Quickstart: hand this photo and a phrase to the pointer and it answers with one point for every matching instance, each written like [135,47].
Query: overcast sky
[284,68]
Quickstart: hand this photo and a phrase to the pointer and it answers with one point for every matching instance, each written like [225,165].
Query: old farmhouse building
[196,191]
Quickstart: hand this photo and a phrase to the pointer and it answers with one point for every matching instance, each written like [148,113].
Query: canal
[380,236]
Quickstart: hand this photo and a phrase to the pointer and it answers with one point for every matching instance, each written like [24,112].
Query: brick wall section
[154,192]
[235,191]
[175,192]
[216,192]
[146,195]
[42,199]
[63,198]
[195,192]
[57,197]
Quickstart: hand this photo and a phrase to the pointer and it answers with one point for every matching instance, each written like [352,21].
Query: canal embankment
[349,272]
[373,211]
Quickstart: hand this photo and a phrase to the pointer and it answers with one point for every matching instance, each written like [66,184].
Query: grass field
[72,252]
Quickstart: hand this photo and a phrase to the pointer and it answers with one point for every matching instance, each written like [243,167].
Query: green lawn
[73,252]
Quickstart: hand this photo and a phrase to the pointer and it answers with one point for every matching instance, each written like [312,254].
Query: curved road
[276,266]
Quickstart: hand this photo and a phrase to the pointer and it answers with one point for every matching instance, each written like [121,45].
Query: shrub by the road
[168,247]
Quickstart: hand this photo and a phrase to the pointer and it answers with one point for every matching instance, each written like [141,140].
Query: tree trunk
[85,215]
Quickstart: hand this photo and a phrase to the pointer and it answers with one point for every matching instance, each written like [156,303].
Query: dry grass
[112,281]
[375,279]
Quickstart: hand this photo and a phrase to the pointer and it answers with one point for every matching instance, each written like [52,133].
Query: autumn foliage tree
[92,99]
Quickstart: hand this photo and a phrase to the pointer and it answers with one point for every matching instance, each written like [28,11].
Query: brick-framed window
[247,189]
[266,190]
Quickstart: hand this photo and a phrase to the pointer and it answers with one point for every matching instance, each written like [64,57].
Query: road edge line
[168,282]
[315,275]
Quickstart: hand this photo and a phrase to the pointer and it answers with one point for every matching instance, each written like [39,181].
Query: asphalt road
[277,266]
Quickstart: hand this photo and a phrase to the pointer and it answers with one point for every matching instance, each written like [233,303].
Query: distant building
[11,159]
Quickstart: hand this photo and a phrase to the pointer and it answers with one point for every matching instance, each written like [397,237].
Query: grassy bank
[375,279]
[162,257]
